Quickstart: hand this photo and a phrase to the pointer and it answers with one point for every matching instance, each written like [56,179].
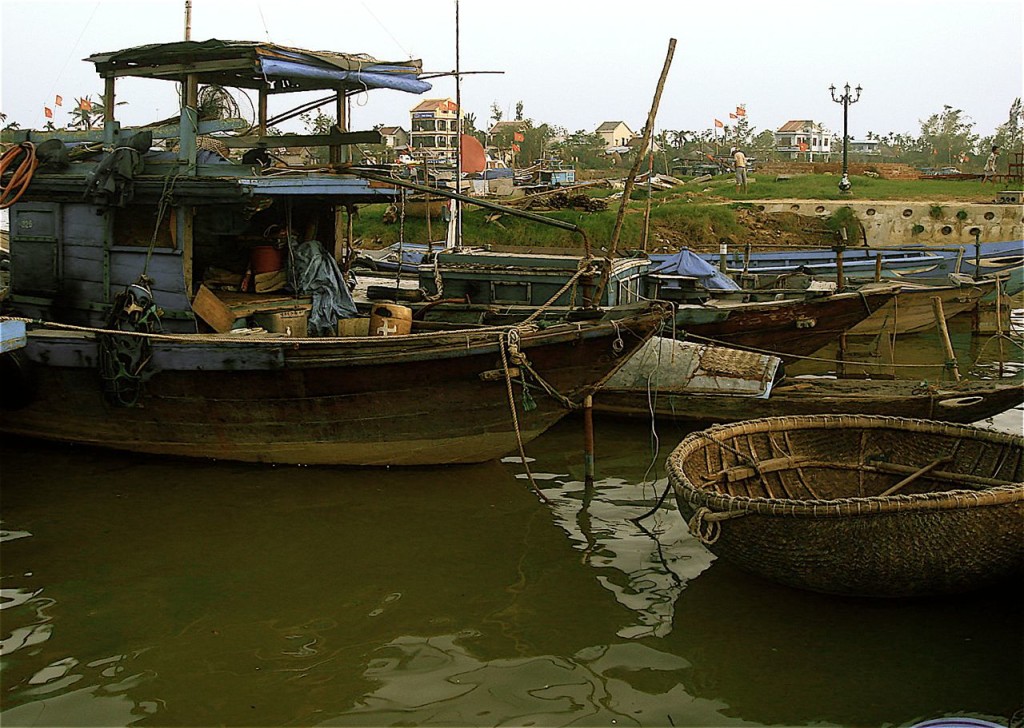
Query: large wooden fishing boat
[188,300]
[422,398]
[867,506]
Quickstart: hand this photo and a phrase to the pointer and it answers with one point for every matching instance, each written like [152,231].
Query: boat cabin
[193,203]
[525,279]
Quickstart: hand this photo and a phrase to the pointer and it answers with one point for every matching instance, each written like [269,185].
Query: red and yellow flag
[47,112]
[719,124]
[58,100]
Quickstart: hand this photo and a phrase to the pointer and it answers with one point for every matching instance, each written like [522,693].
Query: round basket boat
[856,505]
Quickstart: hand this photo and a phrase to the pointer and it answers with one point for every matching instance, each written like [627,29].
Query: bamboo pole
[917,474]
[648,132]
[940,322]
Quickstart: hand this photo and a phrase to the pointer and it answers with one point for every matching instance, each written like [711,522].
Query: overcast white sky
[574,63]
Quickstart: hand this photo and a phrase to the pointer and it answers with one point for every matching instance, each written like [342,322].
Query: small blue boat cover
[687,263]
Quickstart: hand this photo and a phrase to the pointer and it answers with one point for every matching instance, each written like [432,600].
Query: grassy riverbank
[699,215]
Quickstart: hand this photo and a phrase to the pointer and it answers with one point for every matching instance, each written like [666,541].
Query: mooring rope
[515,417]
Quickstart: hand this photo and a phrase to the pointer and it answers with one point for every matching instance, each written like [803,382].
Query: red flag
[515,147]
[59,101]
[803,146]
[719,124]
[47,112]
[733,116]
[740,111]
[516,136]
[85,104]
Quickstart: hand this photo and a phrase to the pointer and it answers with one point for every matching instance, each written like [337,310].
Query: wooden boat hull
[911,310]
[789,329]
[403,400]
[816,502]
[965,402]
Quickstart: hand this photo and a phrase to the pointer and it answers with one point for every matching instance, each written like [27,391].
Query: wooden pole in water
[588,440]
[999,320]
[940,322]
[878,267]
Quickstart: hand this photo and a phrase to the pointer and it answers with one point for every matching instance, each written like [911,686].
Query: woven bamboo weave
[870,506]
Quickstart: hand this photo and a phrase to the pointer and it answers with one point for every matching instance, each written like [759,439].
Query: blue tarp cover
[687,263]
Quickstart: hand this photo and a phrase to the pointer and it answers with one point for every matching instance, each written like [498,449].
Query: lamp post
[845,99]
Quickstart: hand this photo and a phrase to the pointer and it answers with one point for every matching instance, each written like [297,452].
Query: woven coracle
[857,505]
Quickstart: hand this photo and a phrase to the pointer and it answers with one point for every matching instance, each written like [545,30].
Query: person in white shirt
[740,160]
[990,165]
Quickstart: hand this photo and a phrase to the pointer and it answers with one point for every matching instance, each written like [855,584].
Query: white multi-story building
[803,139]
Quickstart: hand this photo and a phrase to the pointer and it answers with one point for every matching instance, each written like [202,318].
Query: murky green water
[145,591]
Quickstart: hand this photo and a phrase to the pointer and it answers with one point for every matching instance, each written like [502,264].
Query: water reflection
[146,591]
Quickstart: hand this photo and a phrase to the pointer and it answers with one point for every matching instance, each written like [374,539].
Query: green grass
[703,213]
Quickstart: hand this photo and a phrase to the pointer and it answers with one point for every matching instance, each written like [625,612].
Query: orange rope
[22,175]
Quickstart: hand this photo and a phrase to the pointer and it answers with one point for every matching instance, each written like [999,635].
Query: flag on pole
[740,111]
[719,124]
[516,136]
[733,116]
[47,112]
[515,147]
[85,104]
[58,101]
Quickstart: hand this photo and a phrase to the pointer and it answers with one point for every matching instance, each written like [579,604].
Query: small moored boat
[866,506]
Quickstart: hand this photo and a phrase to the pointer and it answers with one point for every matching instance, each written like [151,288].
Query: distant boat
[859,506]
[912,310]
[666,389]
[789,328]
[905,262]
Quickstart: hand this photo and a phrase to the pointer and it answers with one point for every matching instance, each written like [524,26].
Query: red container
[266,259]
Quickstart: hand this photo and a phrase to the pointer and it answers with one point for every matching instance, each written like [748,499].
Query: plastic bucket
[389,319]
[266,259]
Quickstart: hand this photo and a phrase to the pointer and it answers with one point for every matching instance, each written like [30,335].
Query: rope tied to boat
[706,524]
[511,344]
[503,343]
[586,267]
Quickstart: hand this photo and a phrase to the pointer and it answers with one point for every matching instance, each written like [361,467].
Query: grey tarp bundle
[315,273]
[111,183]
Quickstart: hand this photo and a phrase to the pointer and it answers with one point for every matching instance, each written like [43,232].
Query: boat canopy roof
[258,65]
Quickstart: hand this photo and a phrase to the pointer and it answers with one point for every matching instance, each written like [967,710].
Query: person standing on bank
[740,160]
[990,165]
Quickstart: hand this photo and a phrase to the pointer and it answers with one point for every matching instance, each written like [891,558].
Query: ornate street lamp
[845,99]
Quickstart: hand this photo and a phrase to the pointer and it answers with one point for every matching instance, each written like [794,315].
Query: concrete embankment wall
[912,223]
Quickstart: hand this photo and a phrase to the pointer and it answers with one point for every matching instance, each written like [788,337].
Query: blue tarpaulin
[687,263]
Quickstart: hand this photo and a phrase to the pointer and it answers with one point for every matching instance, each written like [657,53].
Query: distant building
[615,133]
[863,147]
[395,137]
[501,142]
[635,142]
[509,127]
[803,139]
[435,131]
